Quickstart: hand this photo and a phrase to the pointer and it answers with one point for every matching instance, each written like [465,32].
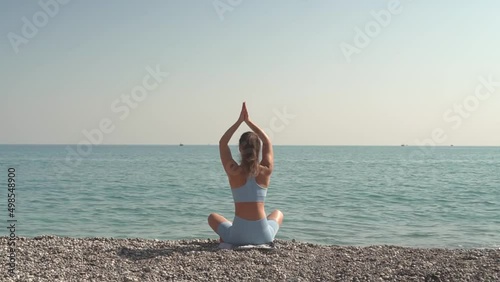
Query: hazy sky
[312,72]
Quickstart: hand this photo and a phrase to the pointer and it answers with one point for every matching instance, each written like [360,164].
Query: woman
[248,181]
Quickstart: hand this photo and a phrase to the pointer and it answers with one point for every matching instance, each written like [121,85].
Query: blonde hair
[250,150]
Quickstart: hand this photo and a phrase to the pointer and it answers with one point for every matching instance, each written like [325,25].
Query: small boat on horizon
[181,144]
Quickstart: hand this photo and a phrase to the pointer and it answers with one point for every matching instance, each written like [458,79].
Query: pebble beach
[52,258]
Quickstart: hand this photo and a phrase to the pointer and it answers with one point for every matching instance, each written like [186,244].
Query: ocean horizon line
[279,145]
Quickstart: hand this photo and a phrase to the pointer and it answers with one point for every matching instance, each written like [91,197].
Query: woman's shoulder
[233,169]
[263,178]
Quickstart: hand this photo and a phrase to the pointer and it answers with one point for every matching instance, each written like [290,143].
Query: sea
[444,197]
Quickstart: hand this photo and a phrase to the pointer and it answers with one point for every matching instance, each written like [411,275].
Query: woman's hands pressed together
[243,114]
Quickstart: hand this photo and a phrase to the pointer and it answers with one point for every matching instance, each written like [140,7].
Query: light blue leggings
[245,232]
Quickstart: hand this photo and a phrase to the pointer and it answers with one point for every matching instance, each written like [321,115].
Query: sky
[312,72]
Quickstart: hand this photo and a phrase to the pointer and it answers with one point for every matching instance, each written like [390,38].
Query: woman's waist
[250,210]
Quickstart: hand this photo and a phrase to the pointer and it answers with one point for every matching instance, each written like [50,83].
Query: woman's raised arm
[225,153]
[267,147]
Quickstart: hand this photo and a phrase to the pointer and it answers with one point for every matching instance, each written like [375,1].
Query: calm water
[440,197]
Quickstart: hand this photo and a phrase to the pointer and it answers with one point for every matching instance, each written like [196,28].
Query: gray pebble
[52,258]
